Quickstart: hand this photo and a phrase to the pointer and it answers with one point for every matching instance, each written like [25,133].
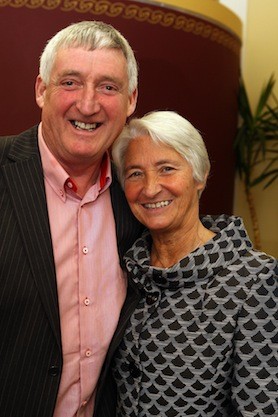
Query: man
[62,223]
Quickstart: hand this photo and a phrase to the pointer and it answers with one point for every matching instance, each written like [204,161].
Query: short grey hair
[90,35]
[168,128]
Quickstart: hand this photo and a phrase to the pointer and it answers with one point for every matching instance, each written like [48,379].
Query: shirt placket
[85,304]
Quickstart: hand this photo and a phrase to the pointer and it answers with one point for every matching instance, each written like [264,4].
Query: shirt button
[69,184]
[88,353]
[87,301]
[85,250]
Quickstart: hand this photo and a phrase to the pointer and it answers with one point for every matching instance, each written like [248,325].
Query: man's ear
[132,102]
[40,88]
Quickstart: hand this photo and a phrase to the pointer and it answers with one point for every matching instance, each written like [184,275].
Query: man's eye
[68,83]
[108,89]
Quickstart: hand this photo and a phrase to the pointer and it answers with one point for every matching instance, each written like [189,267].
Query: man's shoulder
[24,143]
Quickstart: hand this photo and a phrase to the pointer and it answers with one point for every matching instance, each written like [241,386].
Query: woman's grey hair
[168,128]
[90,35]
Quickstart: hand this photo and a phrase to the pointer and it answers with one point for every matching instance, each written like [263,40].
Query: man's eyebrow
[69,73]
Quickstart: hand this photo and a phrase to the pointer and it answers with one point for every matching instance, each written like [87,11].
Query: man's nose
[88,101]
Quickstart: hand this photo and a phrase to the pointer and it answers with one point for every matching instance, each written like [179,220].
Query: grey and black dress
[203,338]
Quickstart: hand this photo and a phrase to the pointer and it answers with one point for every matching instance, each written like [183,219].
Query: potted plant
[256,146]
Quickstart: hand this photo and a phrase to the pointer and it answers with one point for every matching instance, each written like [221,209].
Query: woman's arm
[255,380]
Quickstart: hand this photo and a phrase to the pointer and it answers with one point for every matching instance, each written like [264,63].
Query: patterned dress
[203,339]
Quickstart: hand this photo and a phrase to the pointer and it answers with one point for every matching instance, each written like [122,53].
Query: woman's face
[160,187]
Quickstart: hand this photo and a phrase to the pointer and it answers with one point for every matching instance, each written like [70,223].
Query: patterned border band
[139,13]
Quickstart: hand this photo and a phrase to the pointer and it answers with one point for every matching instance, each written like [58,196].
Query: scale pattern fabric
[203,340]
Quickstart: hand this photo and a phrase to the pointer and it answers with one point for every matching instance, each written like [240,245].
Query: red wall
[185,64]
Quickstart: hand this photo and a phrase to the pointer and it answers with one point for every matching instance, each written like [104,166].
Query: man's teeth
[85,126]
[157,205]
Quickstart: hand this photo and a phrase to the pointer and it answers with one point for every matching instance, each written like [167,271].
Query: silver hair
[168,128]
[90,35]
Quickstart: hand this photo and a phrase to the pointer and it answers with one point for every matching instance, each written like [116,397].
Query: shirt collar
[60,180]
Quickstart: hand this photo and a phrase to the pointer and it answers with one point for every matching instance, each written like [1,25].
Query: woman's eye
[167,169]
[133,175]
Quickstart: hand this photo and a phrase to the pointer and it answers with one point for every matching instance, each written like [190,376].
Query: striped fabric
[30,343]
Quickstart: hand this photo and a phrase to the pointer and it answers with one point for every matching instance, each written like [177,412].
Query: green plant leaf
[256,141]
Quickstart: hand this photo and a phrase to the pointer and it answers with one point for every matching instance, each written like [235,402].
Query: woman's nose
[152,185]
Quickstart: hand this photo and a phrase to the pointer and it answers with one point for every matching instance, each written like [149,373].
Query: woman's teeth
[157,205]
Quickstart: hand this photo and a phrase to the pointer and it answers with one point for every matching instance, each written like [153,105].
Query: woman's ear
[202,185]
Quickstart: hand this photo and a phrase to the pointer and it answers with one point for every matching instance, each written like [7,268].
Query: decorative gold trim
[210,10]
[132,11]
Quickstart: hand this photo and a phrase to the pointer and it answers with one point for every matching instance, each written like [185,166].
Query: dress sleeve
[255,379]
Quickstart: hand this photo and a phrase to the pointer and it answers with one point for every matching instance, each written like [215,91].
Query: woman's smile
[159,204]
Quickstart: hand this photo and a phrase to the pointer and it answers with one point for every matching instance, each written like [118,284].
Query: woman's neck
[168,249]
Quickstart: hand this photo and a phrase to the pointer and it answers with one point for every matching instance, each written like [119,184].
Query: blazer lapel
[132,299]
[25,182]
[128,228]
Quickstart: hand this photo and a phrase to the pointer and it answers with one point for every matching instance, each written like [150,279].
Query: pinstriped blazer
[30,339]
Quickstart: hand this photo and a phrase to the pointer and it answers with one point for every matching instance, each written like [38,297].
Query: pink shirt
[91,285]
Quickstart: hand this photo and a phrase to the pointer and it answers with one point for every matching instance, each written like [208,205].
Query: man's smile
[85,126]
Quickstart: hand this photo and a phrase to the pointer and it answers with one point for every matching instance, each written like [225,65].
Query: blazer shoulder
[21,146]
[5,145]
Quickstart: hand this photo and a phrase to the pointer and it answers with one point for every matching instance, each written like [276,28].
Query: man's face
[85,105]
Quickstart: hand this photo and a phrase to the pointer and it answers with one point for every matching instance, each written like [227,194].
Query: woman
[201,339]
